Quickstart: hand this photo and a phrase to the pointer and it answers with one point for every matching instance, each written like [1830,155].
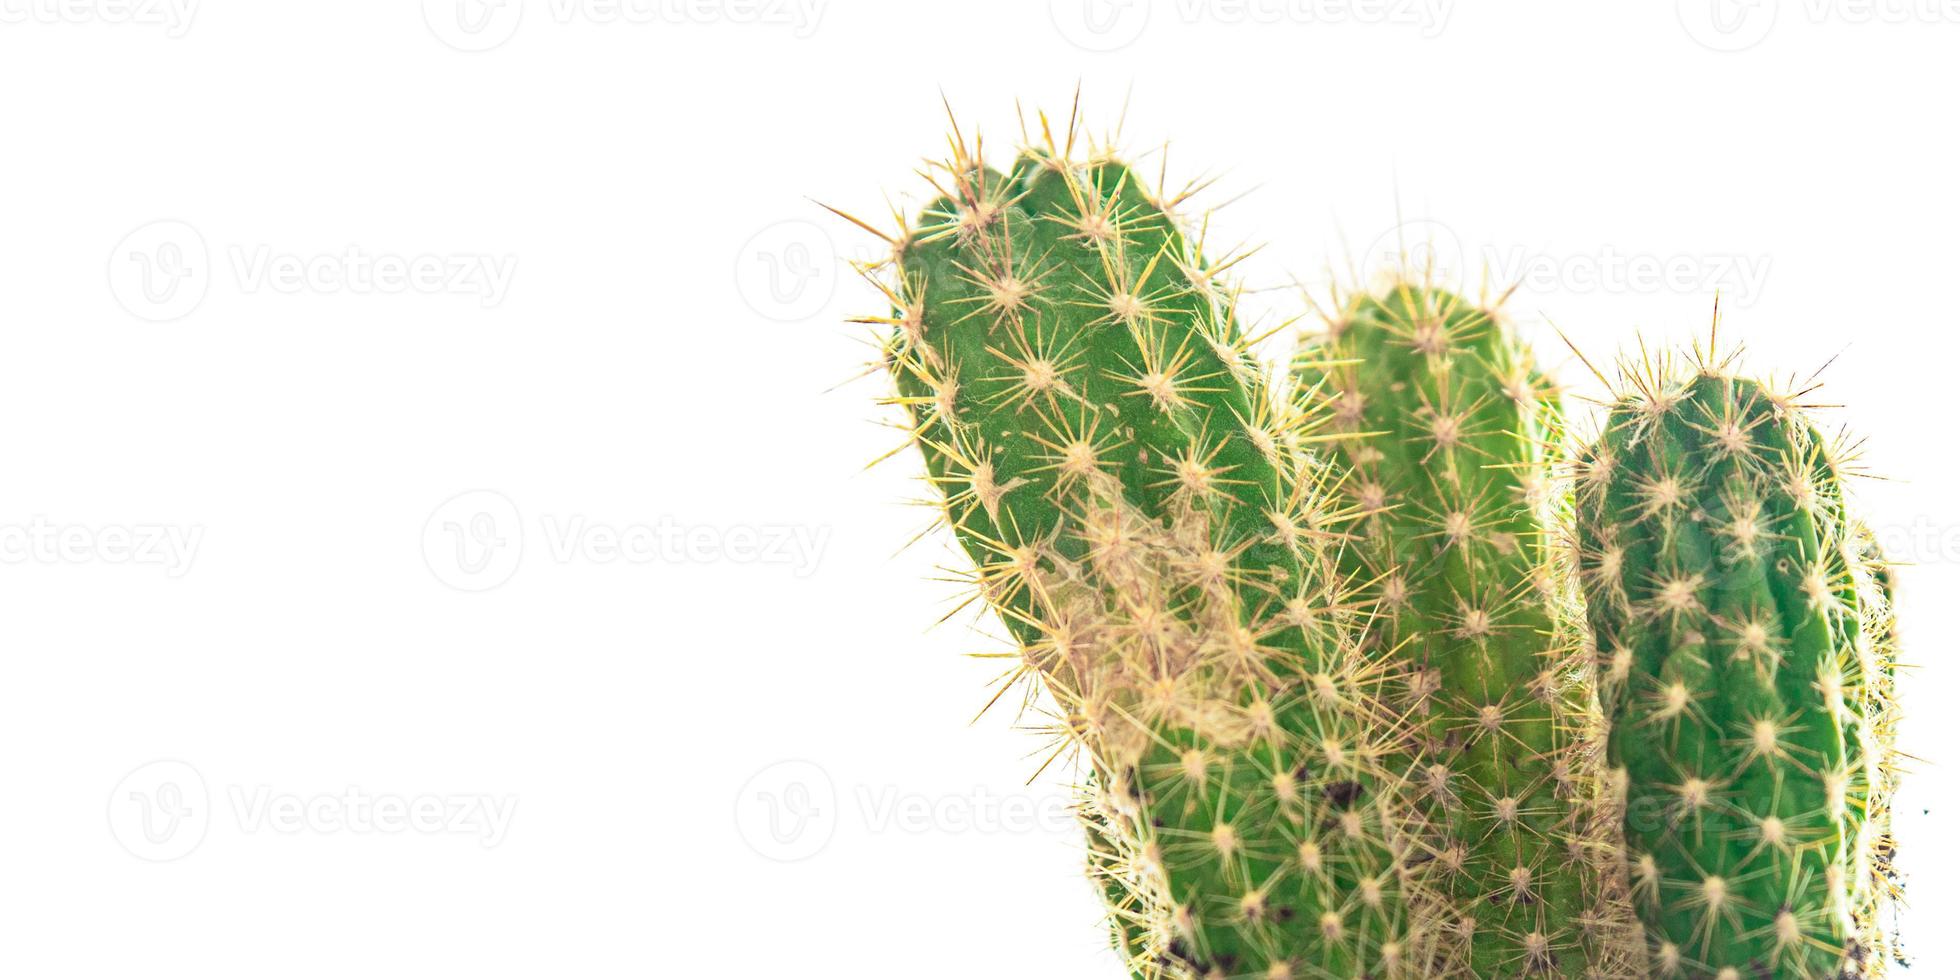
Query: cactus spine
[1741,618]
[1449,432]
[1110,461]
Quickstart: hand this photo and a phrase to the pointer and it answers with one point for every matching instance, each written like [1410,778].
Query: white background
[334,627]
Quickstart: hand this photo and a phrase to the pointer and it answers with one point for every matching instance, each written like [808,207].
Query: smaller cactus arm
[1717,562]
[1448,432]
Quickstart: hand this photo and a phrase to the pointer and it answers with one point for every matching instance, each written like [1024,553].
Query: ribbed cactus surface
[1450,432]
[1110,461]
[1741,619]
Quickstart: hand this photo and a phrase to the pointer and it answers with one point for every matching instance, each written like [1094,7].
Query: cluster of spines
[1137,510]
[1878,893]
[1449,433]
[1747,656]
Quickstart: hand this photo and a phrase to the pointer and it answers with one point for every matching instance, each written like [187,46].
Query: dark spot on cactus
[1343,794]
[1180,956]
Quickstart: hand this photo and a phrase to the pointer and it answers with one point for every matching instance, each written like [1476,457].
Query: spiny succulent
[1449,432]
[1140,516]
[1363,679]
[1740,614]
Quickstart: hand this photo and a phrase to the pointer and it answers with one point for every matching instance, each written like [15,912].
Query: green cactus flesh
[1447,431]
[1743,628]
[1108,458]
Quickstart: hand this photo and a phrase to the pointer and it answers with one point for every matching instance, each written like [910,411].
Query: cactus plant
[1450,431]
[1743,627]
[1364,714]
[1110,459]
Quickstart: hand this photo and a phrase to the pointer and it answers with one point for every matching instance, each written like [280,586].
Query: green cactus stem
[1110,460]
[1450,433]
[1741,620]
